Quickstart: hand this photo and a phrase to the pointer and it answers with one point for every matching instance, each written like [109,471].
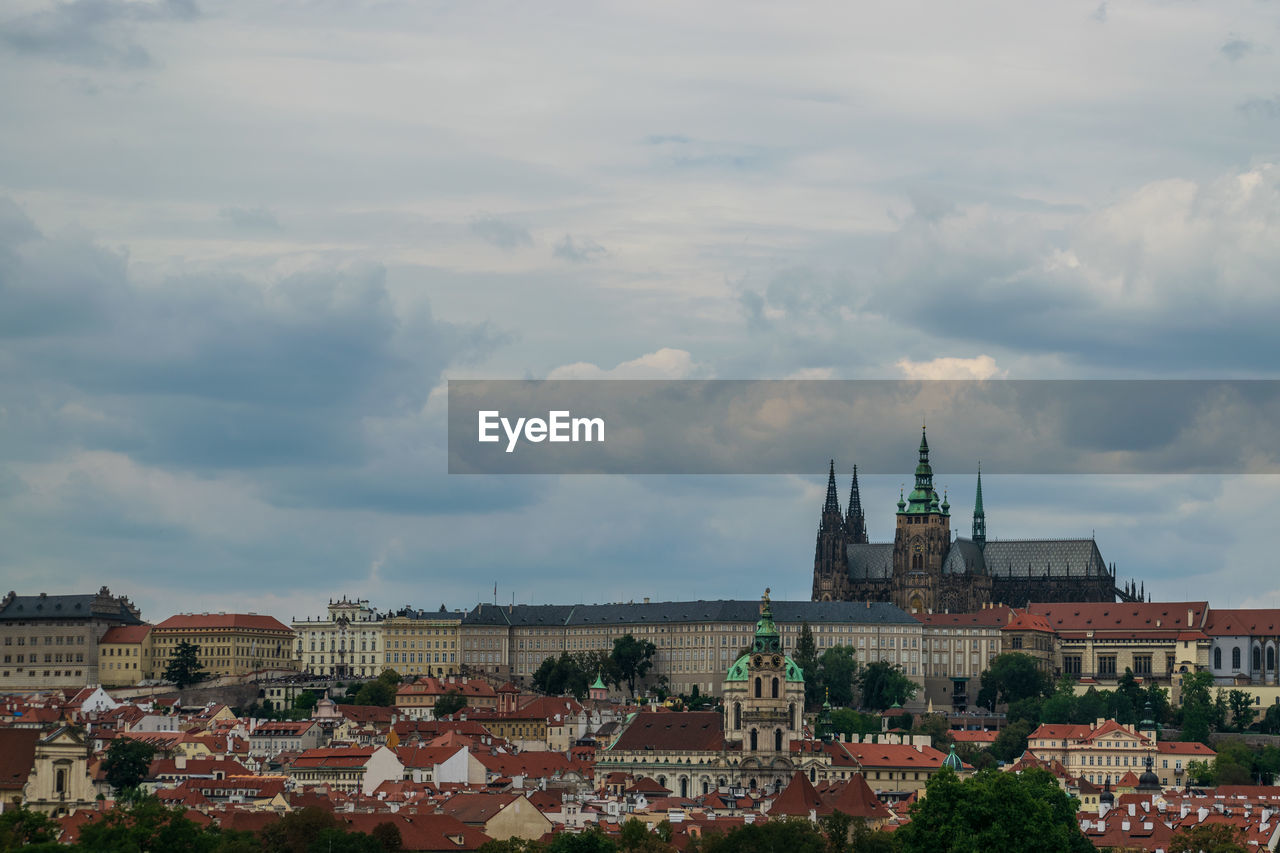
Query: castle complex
[925,570]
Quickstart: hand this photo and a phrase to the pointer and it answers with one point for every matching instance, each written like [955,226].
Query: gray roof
[1039,557]
[668,612]
[870,561]
[964,555]
[30,607]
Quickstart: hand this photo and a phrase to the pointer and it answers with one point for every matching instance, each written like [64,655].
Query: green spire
[923,499]
[599,683]
[979,517]
[952,760]
[767,639]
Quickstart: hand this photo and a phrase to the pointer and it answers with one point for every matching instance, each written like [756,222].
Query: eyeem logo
[558,427]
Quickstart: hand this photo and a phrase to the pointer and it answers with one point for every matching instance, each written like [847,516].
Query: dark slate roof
[663,731]
[28,607]
[666,612]
[870,561]
[964,555]
[1040,557]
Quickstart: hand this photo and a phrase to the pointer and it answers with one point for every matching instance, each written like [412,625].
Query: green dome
[738,672]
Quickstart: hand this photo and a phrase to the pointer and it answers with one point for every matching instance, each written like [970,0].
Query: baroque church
[925,570]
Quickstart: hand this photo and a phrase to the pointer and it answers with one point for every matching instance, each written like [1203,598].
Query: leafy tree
[1266,764]
[1090,707]
[1242,713]
[588,841]
[184,668]
[511,845]
[883,684]
[937,728]
[1062,706]
[1158,698]
[1199,773]
[127,763]
[632,659]
[450,703]
[305,702]
[792,835]
[1234,763]
[1209,838]
[1128,685]
[1029,709]
[21,827]
[146,824]
[837,674]
[567,673]
[381,691]
[1011,742]
[1010,677]
[636,837]
[1010,812]
[1270,722]
[806,657]
[1198,707]
[849,722]
[975,756]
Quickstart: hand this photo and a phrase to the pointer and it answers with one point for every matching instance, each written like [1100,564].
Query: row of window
[1257,658]
[48,640]
[48,658]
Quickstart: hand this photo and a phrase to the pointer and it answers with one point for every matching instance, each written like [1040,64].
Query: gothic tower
[979,517]
[830,566]
[855,522]
[921,541]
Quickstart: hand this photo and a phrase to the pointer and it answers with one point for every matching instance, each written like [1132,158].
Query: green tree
[636,837]
[849,722]
[1029,709]
[1090,707]
[1242,713]
[127,763]
[21,827]
[511,845]
[1270,722]
[1198,708]
[588,841]
[806,657]
[1010,812]
[184,668]
[1011,742]
[305,702]
[1234,764]
[1209,838]
[884,684]
[1128,685]
[632,660]
[1199,773]
[1010,677]
[450,703]
[793,835]
[147,825]
[937,728]
[838,672]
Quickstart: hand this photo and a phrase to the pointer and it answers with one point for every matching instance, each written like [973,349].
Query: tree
[21,827]
[636,837]
[184,668]
[884,684]
[1011,742]
[1242,713]
[127,763]
[1198,708]
[1010,812]
[793,835]
[587,841]
[1209,838]
[632,659]
[937,728]
[381,691]
[838,672]
[450,703]
[305,702]
[849,722]
[1010,677]
[806,657]
[1090,707]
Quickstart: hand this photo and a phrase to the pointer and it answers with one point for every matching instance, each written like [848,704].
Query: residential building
[356,768]
[1108,751]
[271,737]
[346,643]
[417,700]
[52,641]
[124,655]
[421,642]
[228,643]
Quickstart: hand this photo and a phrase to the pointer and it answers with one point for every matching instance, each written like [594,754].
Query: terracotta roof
[856,799]
[335,757]
[125,634]
[1029,622]
[1242,623]
[476,808]
[254,621]
[17,757]
[1173,747]
[798,799]
[690,730]
[974,737]
[1141,618]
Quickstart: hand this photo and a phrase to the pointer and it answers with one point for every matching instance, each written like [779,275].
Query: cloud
[92,32]
[501,233]
[250,218]
[1236,48]
[980,367]
[666,363]
[580,251]
[1266,108]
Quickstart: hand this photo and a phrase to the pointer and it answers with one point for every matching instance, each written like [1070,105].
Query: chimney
[1191,616]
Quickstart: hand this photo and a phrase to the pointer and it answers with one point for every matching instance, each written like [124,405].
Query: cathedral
[925,570]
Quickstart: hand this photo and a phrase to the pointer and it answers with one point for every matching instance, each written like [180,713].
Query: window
[1142,664]
[1235,658]
[1071,664]
[1217,658]
[1106,665]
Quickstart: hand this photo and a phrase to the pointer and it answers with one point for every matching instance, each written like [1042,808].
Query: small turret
[979,516]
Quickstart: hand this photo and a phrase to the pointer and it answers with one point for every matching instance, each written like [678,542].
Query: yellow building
[228,643]
[47,773]
[1108,751]
[124,656]
[421,642]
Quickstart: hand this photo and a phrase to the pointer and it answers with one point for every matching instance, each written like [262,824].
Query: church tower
[979,517]
[855,522]
[830,566]
[921,541]
[764,699]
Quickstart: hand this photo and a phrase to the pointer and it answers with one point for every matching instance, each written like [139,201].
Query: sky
[243,247]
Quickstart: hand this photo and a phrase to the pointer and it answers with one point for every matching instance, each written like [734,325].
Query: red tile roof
[254,621]
[798,799]
[125,634]
[1242,623]
[17,757]
[689,730]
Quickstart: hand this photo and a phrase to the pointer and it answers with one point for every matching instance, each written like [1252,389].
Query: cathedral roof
[964,557]
[870,561]
[1012,558]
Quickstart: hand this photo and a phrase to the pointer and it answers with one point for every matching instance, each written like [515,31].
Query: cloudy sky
[244,244]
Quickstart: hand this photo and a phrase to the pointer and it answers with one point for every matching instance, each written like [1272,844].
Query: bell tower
[921,540]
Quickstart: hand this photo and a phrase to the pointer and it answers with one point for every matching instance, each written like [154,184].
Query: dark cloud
[580,251]
[92,32]
[1236,48]
[1268,108]
[501,233]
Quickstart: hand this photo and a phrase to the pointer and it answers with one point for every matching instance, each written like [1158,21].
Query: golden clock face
[759,661]
[777,660]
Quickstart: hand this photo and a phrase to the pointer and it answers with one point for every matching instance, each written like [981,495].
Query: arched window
[684,787]
[60,781]
[775,688]
[706,787]
[813,774]
[1271,658]
[754,746]
[1217,658]
[1235,658]
[737,715]
[791,715]
[1257,658]
[752,784]
[777,740]
[759,683]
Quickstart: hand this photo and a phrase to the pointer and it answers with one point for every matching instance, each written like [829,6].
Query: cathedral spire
[923,499]
[833,500]
[855,521]
[979,517]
